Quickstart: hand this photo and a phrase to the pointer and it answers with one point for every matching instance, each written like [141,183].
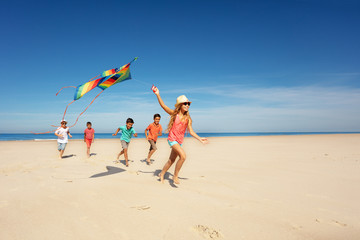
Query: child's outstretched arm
[135,134]
[117,130]
[193,133]
[161,102]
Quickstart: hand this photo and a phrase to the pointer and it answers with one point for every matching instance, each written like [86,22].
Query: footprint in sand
[333,221]
[143,207]
[339,223]
[208,232]
[296,227]
[133,172]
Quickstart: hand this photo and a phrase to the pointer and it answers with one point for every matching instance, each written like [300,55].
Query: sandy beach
[272,187]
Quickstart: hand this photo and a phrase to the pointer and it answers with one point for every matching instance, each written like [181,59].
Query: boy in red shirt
[89,136]
[152,132]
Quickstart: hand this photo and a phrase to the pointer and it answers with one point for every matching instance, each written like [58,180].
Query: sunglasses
[187,103]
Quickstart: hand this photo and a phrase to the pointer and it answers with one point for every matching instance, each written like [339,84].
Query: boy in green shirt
[127,132]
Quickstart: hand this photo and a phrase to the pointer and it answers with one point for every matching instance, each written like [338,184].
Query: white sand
[278,187]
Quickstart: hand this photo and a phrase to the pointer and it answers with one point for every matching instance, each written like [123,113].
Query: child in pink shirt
[89,136]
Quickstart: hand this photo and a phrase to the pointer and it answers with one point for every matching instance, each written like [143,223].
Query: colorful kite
[107,79]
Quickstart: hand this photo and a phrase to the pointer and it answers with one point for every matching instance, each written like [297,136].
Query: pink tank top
[177,130]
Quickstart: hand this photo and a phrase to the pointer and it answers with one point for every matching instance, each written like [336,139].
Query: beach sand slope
[272,187]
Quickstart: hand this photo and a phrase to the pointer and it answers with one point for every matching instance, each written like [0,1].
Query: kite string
[85,109]
[144,83]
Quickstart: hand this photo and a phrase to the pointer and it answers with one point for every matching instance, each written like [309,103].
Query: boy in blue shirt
[127,132]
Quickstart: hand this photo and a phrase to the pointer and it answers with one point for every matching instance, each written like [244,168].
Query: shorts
[61,146]
[152,145]
[124,144]
[172,143]
[88,142]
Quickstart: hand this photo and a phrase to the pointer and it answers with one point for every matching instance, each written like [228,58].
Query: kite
[105,80]
[108,78]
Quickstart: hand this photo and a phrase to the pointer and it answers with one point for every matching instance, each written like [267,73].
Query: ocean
[51,136]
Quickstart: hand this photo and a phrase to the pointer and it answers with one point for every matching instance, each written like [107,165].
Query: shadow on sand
[144,161]
[168,176]
[110,170]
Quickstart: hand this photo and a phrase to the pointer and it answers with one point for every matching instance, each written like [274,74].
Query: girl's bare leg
[172,158]
[179,163]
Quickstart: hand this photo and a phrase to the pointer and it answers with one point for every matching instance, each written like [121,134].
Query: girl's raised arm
[161,102]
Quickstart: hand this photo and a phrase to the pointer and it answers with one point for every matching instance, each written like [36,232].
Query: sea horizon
[76,136]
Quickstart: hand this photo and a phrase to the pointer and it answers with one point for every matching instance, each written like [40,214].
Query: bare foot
[176,180]
[148,162]
[161,176]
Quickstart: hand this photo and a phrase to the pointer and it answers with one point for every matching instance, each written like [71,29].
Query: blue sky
[247,66]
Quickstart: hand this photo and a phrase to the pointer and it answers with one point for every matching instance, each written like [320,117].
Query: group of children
[151,132]
[180,122]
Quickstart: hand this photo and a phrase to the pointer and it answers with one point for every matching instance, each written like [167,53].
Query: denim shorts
[61,146]
[172,143]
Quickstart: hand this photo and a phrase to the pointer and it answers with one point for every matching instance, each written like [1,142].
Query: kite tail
[95,77]
[63,88]
[66,109]
[64,113]
[86,109]
[74,86]
[44,132]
